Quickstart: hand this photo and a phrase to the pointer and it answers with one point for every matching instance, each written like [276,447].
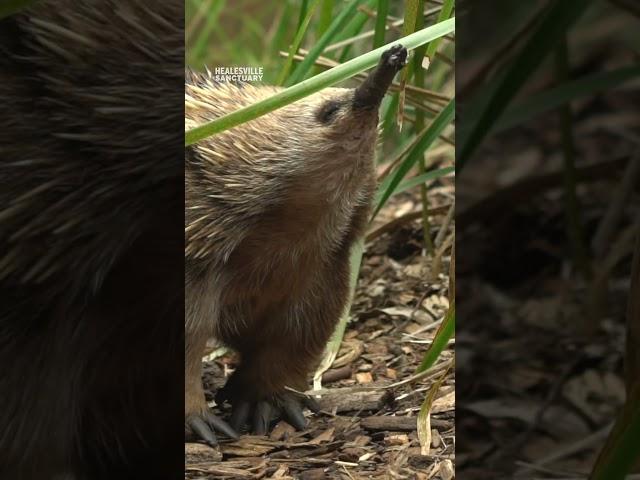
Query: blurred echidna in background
[91,239]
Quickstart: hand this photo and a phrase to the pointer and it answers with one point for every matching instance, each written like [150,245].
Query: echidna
[273,208]
[91,240]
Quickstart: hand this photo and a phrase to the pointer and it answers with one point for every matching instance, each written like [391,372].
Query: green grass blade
[326,14]
[353,29]
[9,7]
[622,448]
[443,119]
[447,9]
[303,13]
[312,85]
[409,26]
[440,341]
[567,92]
[558,18]
[389,116]
[278,41]
[381,23]
[423,178]
[302,30]
[211,24]
[338,24]
[355,262]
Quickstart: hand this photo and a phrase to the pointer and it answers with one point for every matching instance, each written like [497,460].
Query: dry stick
[445,225]
[437,257]
[530,187]
[406,218]
[445,59]
[335,374]
[611,219]
[397,424]
[430,372]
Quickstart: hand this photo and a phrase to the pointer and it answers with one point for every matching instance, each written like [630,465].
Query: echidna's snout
[370,93]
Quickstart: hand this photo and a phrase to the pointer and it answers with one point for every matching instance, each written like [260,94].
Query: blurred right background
[548,206]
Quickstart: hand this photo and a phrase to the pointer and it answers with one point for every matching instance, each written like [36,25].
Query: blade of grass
[424,416]
[353,29]
[443,119]
[558,18]
[423,178]
[440,341]
[381,23]
[302,30]
[622,447]
[303,13]
[389,116]
[281,32]
[326,14]
[418,73]
[312,85]
[412,7]
[447,9]
[210,25]
[338,24]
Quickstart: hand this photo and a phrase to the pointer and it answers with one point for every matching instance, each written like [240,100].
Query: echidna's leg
[198,419]
[285,350]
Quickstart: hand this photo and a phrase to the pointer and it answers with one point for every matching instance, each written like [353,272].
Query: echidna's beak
[370,93]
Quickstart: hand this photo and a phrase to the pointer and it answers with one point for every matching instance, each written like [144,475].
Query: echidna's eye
[327,111]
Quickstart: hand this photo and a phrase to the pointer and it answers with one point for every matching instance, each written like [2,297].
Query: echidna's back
[91,240]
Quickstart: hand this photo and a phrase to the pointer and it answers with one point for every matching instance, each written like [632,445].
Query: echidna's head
[334,131]
[320,146]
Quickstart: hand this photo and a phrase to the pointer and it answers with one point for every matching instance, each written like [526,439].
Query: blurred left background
[91,239]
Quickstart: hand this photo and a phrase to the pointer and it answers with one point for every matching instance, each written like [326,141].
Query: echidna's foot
[203,426]
[258,415]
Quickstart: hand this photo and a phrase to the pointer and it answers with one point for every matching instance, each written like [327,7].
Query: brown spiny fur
[272,209]
[91,263]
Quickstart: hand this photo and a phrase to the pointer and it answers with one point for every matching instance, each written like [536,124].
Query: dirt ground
[367,428]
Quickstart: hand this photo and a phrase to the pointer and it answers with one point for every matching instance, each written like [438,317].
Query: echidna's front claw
[258,415]
[204,426]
